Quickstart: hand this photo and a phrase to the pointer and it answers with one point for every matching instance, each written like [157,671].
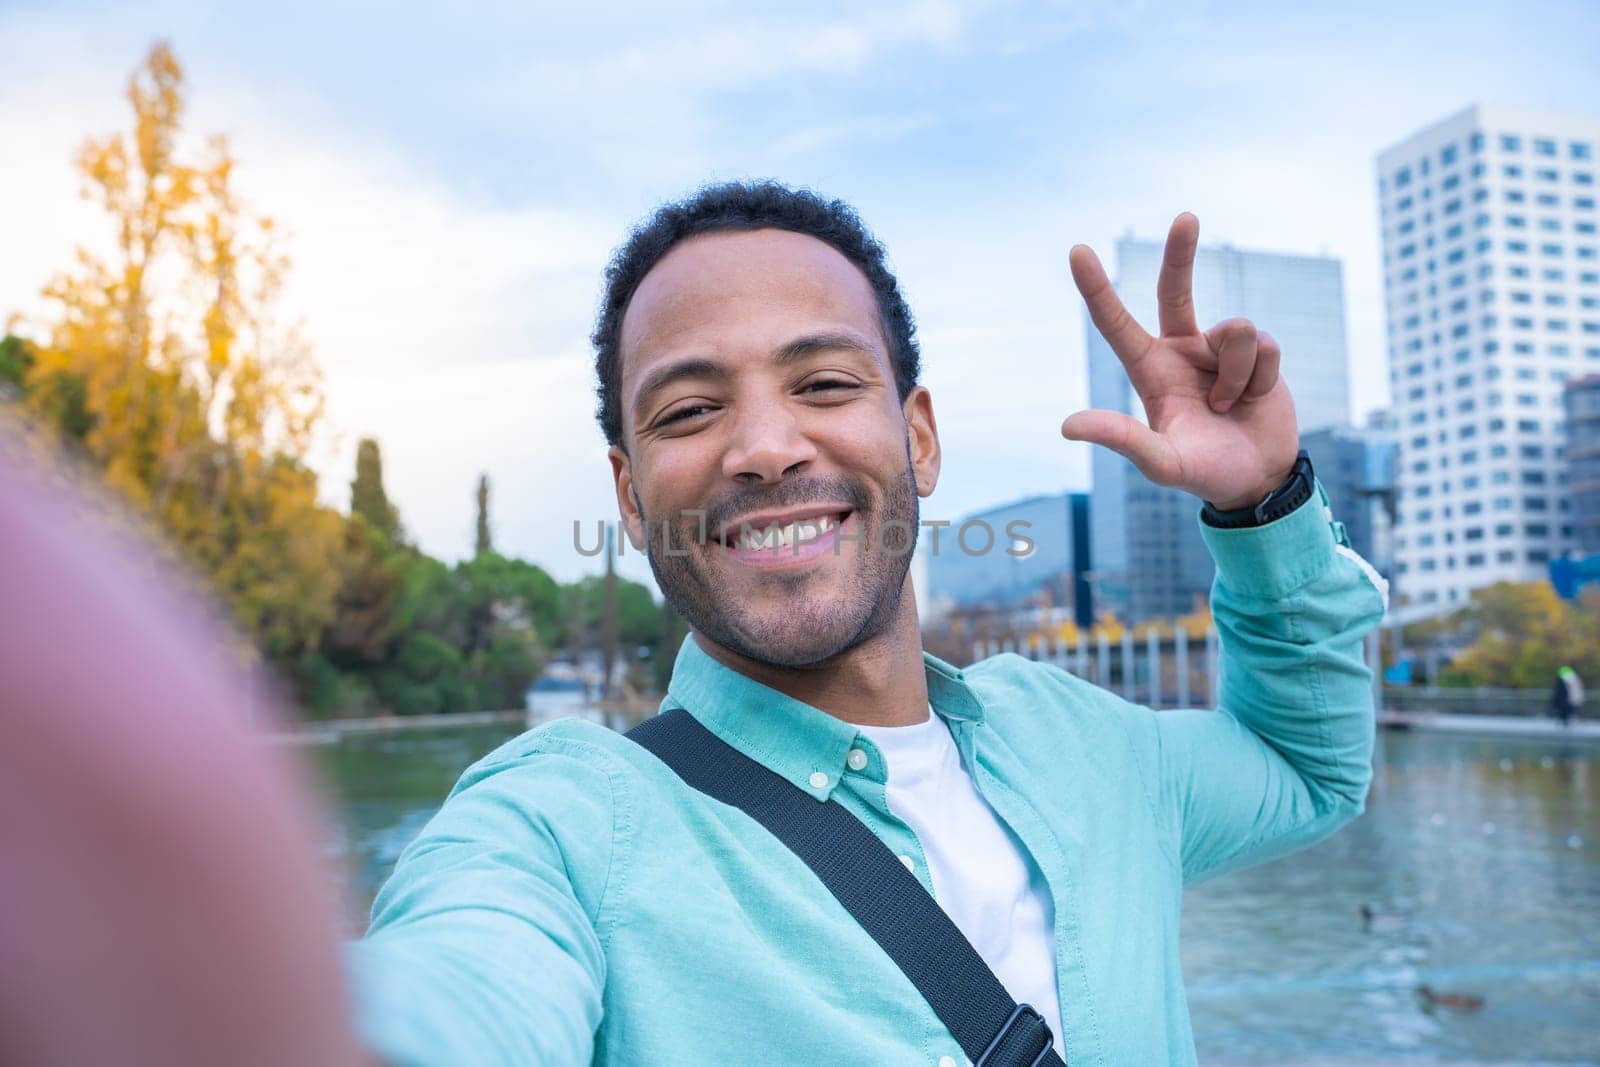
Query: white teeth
[786,536]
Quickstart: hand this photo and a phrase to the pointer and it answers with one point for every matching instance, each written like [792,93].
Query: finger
[1265,376]
[1175,285]
[1129,438]
[1234,342]
[1126,337]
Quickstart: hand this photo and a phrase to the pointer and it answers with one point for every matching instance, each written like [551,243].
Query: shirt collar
[803,744]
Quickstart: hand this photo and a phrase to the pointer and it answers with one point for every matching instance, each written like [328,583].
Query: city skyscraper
[1492,284]
[1582,396]
[1149,560]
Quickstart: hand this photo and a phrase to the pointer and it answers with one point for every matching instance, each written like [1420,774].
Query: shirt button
[947,1061]
[857,759]
[819,780]
[911,864]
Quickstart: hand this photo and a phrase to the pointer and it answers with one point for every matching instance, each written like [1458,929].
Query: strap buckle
[1021,1015]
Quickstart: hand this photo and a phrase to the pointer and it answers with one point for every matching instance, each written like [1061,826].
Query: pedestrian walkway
[1498,725]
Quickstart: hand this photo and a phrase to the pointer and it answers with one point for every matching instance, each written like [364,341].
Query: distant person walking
[1568,695]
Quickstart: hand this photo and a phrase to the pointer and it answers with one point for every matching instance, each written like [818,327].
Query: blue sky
[454,183]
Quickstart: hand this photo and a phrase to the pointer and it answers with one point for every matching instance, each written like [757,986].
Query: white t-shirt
[982,875]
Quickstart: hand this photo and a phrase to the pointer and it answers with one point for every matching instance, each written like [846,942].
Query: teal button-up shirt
[573,902]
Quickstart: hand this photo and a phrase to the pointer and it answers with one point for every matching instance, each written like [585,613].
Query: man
[1567,698]
[574,901]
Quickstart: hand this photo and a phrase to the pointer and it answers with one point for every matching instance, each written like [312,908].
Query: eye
[682,414]
[829,385]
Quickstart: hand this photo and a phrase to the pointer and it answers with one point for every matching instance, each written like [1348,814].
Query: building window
[1579,150]
[1510,143]
[1543,146]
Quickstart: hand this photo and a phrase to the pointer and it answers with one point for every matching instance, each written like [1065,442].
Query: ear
[627,499]
[923,435]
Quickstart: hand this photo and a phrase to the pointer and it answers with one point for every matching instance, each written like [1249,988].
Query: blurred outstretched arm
[161,897]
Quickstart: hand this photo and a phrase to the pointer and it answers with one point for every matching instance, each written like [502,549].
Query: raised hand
[1221,423]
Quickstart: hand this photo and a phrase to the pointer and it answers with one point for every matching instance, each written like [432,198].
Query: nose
[767,443]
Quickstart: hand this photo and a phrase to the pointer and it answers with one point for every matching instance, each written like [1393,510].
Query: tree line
[165,365]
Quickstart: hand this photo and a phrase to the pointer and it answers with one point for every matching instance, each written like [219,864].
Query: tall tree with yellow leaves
[165,359]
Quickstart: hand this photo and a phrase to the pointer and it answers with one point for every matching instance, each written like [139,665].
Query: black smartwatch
[1295,490]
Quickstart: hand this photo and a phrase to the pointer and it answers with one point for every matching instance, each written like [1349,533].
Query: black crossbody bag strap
[885,898]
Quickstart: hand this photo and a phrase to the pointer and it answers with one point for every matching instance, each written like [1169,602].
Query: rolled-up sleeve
[1286,757]
[485,945]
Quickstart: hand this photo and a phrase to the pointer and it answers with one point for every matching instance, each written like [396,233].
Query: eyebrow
[707,369]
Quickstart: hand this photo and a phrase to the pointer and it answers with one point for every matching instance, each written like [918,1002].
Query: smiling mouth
[778,536]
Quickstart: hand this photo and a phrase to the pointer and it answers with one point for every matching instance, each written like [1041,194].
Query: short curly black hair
[754,205]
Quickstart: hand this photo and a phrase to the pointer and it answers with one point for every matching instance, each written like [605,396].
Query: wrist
[1281,499]
[1256,496]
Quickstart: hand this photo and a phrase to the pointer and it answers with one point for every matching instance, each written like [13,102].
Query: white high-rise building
[1147,558]
[1492,275]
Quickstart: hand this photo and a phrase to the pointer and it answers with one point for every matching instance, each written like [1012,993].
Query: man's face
[757,389]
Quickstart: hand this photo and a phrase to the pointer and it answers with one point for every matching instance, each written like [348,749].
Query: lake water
[1478,861]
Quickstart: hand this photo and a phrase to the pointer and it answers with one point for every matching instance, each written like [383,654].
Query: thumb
[1129,438]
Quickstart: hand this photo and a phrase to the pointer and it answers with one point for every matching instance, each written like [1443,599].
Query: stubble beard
[813,626]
